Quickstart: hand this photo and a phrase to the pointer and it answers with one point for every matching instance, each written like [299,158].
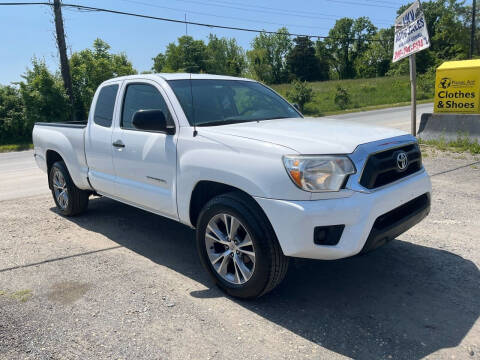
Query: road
[21,176]
[398,117]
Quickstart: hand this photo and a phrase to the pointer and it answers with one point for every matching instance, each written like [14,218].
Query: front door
[145,161]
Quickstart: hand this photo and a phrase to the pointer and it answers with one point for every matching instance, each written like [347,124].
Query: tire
[267,267]
[76,200]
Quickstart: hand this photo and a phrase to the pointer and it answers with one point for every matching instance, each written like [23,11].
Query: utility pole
[472,30]
[62,49]
[413,94]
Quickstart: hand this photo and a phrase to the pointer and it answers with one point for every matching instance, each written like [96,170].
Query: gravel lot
[120,283]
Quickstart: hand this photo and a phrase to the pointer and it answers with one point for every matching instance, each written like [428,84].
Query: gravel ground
[120,283]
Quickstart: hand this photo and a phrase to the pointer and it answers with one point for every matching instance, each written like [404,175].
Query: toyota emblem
[402,160]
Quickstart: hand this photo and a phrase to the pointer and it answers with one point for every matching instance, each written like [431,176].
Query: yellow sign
[457,87]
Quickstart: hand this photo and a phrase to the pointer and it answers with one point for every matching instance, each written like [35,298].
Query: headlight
[318,173]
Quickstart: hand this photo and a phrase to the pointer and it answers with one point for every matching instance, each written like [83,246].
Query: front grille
[382,169]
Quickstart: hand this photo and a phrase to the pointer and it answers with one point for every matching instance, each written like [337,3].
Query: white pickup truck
[234,160]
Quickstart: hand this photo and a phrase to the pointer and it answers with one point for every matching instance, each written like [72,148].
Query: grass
[20,295]
[16,147]
[365,94]
[462,144]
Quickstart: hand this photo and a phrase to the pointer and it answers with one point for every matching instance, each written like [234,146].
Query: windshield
[221,102]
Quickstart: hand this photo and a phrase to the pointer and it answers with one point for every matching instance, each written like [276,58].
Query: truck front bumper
[369,219]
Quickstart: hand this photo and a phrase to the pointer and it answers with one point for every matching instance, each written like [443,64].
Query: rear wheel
[69,199]
[238,247]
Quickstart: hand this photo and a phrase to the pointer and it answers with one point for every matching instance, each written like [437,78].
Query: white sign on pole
[411,34]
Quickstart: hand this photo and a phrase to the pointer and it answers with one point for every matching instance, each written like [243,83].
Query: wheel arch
[205,190]
[51,157]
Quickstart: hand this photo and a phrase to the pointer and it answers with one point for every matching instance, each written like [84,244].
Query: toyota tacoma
[231,158]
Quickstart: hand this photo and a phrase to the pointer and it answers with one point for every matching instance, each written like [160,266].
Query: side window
[105,105]
[141,97]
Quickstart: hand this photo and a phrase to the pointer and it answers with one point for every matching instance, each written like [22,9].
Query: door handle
[118,144]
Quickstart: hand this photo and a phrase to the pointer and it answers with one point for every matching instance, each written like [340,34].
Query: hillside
[373,92]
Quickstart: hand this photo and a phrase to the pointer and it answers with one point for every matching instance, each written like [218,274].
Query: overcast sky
[27,31]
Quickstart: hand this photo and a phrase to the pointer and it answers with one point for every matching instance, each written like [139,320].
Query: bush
[43,96]
[12,116]
[40,97]
[426,85]
[342,98]
[300,92]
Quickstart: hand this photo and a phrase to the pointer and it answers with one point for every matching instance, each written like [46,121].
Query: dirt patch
[67,292]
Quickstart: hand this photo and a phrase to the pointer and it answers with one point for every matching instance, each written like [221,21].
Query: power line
[362,4]
[384,2]
[221,16]
[258,8]
[118,12]
[26,3]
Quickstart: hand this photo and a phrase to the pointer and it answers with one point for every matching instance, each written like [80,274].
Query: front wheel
[69,199]
[238,247]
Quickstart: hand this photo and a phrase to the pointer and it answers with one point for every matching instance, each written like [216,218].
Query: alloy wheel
[60,188]
[230,248]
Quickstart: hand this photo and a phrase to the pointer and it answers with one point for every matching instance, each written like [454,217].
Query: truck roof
[177,76]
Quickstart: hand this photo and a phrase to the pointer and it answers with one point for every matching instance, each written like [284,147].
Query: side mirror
[152,120]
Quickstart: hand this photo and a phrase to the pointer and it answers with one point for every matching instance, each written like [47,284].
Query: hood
[309,135]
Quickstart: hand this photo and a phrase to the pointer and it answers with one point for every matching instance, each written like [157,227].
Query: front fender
[249,165]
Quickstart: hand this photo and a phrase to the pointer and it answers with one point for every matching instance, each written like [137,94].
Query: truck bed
[67,140]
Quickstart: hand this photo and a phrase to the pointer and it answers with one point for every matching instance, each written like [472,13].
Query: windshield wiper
[224,122]
[274,118]
[236,121]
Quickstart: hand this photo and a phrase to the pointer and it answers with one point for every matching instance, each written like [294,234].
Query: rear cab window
[105,105]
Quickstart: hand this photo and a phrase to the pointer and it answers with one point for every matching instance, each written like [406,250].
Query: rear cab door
[145,162]
[98,138]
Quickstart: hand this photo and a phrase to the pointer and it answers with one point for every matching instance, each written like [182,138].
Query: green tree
[376,59]
[91,67]
[43,96]
[300,93]
[12,118]
[466,15]
[224,56]
[347,41]
[268,57]
[259,67]
[448,34]
[159,62]
[188,56]
[324,58]
[303,63]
